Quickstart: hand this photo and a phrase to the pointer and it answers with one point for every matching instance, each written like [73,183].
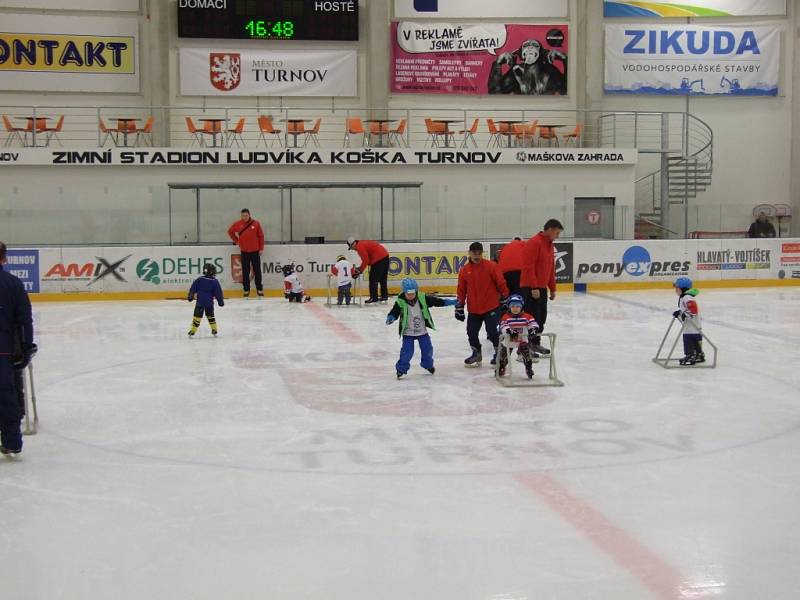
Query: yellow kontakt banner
[69,53]
[424,265]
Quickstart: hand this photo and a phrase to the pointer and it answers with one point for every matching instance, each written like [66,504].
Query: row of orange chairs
[20,134]
[524,134]
[265,127]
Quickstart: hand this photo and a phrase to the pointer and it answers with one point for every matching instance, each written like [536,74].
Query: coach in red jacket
[539,275]
[375,256]
[481,287]
[248,235]
[510,263]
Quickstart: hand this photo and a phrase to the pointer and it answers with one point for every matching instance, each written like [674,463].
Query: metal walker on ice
[508,380]
[29,393]
[668,362]
[333,294]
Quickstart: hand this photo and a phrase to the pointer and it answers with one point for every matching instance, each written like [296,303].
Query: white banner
[173,268]
[254,72]
[693,8]
[416,9]
[105,5]
[690,59]
[138,157]
[69,54]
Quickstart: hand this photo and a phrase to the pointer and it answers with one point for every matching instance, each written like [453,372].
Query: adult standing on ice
[539,275]
[248,235]
[375,256]
[16,350]
[481,288]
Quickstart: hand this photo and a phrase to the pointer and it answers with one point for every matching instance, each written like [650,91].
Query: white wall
[756,153]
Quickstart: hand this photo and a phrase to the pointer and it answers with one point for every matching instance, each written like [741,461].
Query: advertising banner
[693,8]
[301,158]
[259,72]
[479,9]
[69,54]
[479,58]
[105,5]
[690,59]
[172,269]
[25,265]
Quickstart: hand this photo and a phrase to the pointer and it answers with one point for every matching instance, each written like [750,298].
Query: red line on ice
[645,565]
[336,326]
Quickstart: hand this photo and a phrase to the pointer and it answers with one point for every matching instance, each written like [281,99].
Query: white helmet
[350,241]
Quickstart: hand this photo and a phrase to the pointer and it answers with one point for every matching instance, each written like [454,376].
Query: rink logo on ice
[636,262]
[182,270]
[92,272]
[24,264]
[733,260]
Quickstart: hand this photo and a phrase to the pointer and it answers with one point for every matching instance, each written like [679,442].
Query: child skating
[343,271]
[516,330]
[205,289]
[688,313]
[413,310]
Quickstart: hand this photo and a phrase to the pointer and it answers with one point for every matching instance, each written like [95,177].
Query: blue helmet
[515,299]
[683,283]
[410,285]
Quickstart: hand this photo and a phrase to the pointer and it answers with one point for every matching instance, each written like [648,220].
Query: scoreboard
[335,20]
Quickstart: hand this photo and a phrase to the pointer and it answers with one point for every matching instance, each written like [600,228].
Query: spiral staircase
[682,146]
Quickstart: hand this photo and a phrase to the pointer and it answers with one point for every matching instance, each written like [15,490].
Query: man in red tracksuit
[510,263]
[539,274]
[248,235]
[481,287]
[375,256]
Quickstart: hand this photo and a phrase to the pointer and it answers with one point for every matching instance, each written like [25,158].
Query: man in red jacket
[539,274]
[481,287]
[375,256]
[510,263]
[248,235]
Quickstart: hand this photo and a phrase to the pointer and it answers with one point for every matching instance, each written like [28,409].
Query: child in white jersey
[689,314]
[292,288]
[343,271]
[412,308]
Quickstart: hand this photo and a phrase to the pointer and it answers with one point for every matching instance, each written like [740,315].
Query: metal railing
[83,126]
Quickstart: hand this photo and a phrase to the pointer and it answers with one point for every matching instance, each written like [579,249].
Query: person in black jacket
[761,228]
[16,351]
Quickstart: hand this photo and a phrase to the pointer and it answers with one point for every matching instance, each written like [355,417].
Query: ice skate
[432,370]
[246,294]
[371,301]
[191,334]
[700,357]
[529,369]
[688,361]
[475,359]
[540,349]
[260,293]
[494,358]
[400,375]
[5,451]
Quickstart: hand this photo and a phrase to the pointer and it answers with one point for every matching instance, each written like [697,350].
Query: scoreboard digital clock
[335,20]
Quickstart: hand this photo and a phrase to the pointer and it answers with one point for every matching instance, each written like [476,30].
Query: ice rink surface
[284,461]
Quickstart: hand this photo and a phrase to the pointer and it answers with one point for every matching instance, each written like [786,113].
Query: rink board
[168,271]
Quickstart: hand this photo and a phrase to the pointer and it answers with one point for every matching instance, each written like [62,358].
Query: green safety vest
[426,313]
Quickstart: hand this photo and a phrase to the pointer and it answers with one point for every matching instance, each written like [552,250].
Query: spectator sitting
[761,228]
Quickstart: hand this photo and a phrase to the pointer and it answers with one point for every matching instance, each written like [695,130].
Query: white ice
[284,461]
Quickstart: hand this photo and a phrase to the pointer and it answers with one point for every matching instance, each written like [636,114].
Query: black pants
[200,310]
[251,259]
[379,274]
[692,343]
[10,408]
[512,281]
[538,308]
[344,293]
[296,296]
[490,321]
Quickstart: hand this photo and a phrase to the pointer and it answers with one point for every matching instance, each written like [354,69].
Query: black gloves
[459,312]
[26,357]
[676,314]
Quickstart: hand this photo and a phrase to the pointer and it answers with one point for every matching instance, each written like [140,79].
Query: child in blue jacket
[205,289]
[412,308]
